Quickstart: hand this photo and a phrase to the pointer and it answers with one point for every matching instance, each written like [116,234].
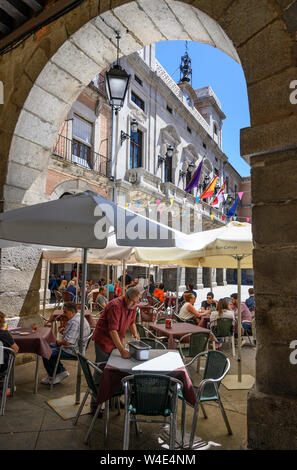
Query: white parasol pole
[107,282]
[45,286]
[82,319]
[124,277]
[177,288]
[239,258]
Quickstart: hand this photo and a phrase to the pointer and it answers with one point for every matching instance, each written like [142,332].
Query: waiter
[119,315]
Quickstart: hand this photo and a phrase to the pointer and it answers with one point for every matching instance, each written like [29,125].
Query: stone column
[182,285]
[20,273]
[200,278]
[272,403]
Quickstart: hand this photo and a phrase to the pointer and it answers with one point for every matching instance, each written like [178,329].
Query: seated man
[246,315]
[101,300]
[250,302]
[190,290]
[70,338]
[209,304]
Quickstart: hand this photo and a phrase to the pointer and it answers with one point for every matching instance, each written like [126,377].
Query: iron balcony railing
[76,152]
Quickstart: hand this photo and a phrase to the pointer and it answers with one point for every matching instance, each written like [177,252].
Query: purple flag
[195,180]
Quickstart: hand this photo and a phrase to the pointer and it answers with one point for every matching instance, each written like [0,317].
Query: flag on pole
[219,197]
[210,189]
[195,180]
[232,209]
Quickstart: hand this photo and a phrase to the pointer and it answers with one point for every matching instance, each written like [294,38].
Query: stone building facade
[89,150]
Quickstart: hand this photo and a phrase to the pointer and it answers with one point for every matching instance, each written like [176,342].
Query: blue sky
[225,76]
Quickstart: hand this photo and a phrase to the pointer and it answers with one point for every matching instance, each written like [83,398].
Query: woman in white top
[188,312]
[221,312]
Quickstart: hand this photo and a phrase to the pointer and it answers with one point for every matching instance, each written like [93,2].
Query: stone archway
[41,80]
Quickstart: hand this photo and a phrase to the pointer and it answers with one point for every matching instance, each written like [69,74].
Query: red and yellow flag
[210,189]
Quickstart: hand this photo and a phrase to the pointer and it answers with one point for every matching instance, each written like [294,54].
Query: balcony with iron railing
[77,153]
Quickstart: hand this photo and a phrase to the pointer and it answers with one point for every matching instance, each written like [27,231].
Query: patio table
[161,361]
[55,316]
[178,330]
[36,342]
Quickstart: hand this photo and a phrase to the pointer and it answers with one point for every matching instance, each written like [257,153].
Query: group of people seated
[212,309]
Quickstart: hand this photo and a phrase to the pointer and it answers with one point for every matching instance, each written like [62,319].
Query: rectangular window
[168,170]
[137,79]
[82,142]
[189,129]
[136,149]
[138,101]
[169,109]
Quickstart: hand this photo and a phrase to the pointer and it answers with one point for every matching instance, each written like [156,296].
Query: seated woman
[221,312]
[188,312]
[72,289]
[63,285]
[159,292]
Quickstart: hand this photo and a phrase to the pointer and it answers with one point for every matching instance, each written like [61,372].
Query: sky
[226,77]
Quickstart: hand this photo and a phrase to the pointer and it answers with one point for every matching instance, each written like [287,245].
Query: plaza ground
[30,423]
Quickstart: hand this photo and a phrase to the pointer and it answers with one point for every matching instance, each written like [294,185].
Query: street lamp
[134,128]
[117,82]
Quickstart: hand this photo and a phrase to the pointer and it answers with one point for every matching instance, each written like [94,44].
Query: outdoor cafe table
[177,330]
[161,361]
[55,316]
[36,342]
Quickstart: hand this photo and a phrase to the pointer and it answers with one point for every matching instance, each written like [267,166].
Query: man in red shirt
[118,316]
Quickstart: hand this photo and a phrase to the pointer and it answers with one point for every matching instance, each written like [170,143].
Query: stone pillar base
[200,286]
[272,421]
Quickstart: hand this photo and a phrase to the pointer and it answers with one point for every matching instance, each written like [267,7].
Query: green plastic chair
[153,343]
[151,395]
[224,329]
[198,343]
[146,333]
[216,367]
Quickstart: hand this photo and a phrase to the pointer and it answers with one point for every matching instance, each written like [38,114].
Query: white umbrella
[82,221]
[230,246]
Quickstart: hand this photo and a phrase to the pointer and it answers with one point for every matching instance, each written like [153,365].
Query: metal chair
[93,301]
[216,367]
[93,389]
[224,329]
[198,344]
[74,358]
[6,376]
[145,333]
[150,395]
[153,343]
[59,298]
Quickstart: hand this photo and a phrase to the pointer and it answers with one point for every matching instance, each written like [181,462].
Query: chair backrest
[111,296]
[177,318]
[85,365]
[66,296]
[161,320]
[58,295]
[152,395]
[153,343]
[224,327]
[9,362]
[150,300]
[95,295]
[140,330]
[90,337]
[215,366]
[198,343]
